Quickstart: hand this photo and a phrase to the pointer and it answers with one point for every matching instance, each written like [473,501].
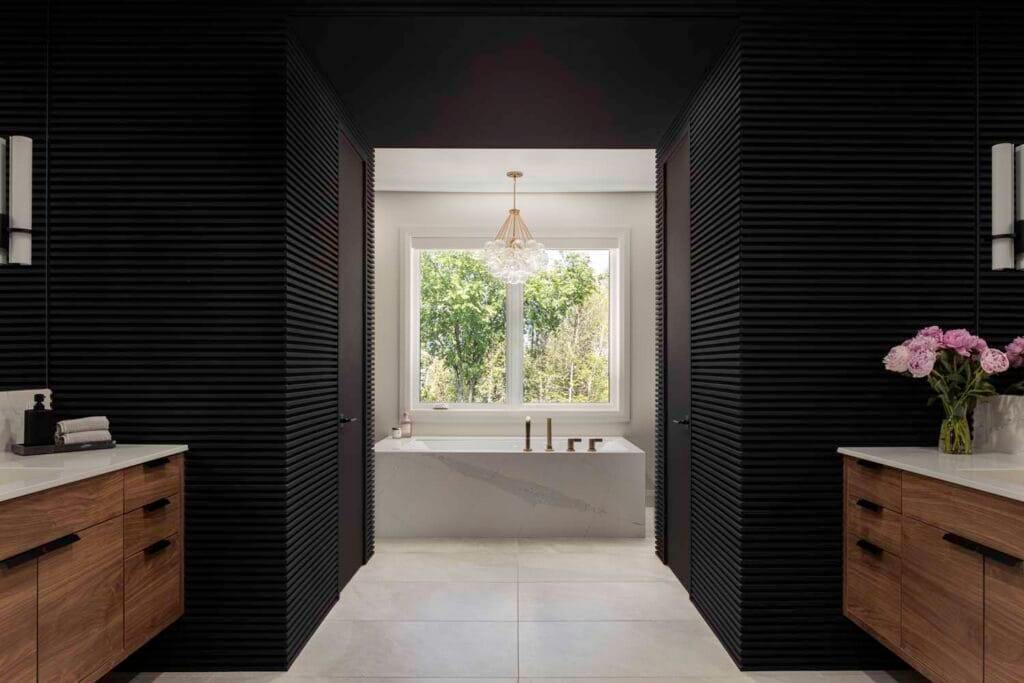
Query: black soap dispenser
[40,424]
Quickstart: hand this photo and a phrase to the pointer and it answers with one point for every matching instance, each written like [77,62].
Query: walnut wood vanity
[932,561]
[91,559]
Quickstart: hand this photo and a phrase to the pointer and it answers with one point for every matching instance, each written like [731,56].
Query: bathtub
[487,487]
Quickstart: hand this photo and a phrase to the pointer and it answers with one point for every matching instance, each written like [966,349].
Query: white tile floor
[544,610]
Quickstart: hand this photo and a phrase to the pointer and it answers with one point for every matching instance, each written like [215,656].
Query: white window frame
[615,239]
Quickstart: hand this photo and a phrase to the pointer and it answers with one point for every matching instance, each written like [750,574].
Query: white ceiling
[544,170]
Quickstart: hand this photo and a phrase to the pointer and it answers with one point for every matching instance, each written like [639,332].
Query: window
[474,346]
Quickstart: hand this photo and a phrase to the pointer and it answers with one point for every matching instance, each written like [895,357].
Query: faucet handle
[571,448]
[591,443]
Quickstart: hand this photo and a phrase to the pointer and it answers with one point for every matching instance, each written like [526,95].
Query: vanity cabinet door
[81,604]
[942,605]
[18,623]
[1004,622]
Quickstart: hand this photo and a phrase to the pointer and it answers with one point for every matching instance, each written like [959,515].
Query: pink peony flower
[934,331]
[1015,352]
[994,361]
[898,359]
[923,343]
[960,341]
[980,344]
[921,363]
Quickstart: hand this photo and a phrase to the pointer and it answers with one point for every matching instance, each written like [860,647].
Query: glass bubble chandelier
[513,255]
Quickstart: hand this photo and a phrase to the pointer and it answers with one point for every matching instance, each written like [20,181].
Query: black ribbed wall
[169,293]
[311,347]
[863,180]
[23,112]
[716,465]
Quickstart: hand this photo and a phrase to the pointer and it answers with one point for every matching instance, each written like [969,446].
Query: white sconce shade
[20,200]
[1002,207]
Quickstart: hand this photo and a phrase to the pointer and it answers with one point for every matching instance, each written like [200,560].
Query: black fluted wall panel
[23,112]
[168,292]
[311,347]
[858,165]
[714,119]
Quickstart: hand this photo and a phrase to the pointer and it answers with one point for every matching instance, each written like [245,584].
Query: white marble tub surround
[487,487]
[1001,474]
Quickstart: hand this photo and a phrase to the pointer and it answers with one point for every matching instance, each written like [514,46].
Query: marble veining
[480,488]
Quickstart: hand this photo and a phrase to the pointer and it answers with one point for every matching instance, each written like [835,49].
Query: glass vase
[955,435]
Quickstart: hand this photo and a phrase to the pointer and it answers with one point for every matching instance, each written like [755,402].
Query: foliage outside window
[483,343]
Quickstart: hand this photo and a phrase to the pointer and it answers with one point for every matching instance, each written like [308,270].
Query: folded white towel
[83,424]
[84,437]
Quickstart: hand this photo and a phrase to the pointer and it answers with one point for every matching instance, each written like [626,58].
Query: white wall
[545,214]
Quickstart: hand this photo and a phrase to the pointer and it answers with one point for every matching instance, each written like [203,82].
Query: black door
[352,384]
[676,174]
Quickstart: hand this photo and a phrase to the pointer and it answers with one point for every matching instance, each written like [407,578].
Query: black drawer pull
[153,464]
[157,547]
[39,551]
[156,505]
[868,546]
[868,505]
[984,550]
[869,465]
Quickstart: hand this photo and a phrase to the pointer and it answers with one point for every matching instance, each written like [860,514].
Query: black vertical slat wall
[311,346]
[23,112]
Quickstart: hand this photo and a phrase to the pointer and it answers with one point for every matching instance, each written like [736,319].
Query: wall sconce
[1007,207]
[16,200]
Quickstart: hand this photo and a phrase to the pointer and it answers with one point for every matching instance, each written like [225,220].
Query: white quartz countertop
[999,473]
[21,475]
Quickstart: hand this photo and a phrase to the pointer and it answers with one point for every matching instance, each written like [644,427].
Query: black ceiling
[516,81]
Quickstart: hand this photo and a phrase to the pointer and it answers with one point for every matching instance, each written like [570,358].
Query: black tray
[22,449]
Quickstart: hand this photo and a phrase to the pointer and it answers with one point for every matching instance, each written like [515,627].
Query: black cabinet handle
[39,551]
[159,462]
[345,420]
[983,550]
[867,464]
[156,505]
[683,421]
[868,505]
[869,546]
[157,547]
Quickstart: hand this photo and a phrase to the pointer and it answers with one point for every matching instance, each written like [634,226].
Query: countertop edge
[1013,492]
[152,452]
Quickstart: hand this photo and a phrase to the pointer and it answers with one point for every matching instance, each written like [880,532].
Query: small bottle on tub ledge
[406,424]
[396,433]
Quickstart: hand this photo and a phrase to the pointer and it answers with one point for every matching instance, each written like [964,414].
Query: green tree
[462,329]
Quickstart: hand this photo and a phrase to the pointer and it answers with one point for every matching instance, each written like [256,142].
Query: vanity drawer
[146,525]
[872,589]
[982,517]
[153,597]
[32,520]
[872,522]
[151,480]
[877,483]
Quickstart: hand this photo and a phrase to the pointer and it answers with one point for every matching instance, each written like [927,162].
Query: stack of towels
[83,430]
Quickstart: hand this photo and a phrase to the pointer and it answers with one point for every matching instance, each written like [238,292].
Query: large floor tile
[446,545]
[410,648]
[426,601]
[591,566]
[617,546]
[604,601]
[439,567]
[621,648]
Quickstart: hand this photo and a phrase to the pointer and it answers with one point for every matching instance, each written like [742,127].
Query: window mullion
[514,346]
